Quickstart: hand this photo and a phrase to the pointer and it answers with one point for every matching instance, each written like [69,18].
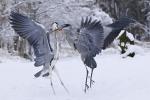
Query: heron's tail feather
[38,74]
[90,62]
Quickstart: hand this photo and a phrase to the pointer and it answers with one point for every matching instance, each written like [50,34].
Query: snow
[115,79]
[133,48]
[121,32]
[130,36]
[98,14]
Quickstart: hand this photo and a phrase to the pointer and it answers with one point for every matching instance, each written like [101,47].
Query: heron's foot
[86,87]
[46,74]
[91,83]
[41,73]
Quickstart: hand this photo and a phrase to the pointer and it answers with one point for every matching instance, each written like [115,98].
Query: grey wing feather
[122,22]
[36,36]
[25,27]
[110,38]
[92,31]
[90,41]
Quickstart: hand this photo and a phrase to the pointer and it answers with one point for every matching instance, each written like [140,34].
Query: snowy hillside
[115,79]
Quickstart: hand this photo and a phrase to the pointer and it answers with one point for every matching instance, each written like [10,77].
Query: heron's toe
[46,74]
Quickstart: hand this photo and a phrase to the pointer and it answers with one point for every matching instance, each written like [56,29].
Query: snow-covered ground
[115,79]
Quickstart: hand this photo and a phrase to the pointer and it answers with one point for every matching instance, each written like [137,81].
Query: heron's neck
[56,45]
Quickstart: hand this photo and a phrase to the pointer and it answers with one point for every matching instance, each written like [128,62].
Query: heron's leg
[50,76]
[61,82]
[86,85]
[91,81]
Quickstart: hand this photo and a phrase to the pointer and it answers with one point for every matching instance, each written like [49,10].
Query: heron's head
[123,22]
[132,22]
[128,22]
[55,26]
[59,27]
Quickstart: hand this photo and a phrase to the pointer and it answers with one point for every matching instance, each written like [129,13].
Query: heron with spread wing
[38,38]
[91,37]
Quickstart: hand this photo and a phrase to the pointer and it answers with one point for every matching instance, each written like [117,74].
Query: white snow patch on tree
[121,32]
[130,36]
[133,48]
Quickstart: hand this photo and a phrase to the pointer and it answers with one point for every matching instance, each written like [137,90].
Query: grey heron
[37,36]
[91,37]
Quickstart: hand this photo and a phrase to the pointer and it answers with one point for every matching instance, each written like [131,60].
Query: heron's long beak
[58,29]
[64,26]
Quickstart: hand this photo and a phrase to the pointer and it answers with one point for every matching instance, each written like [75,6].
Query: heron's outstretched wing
[94,30]
[90,40]
[36,36]
[116,27]
[110,38]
